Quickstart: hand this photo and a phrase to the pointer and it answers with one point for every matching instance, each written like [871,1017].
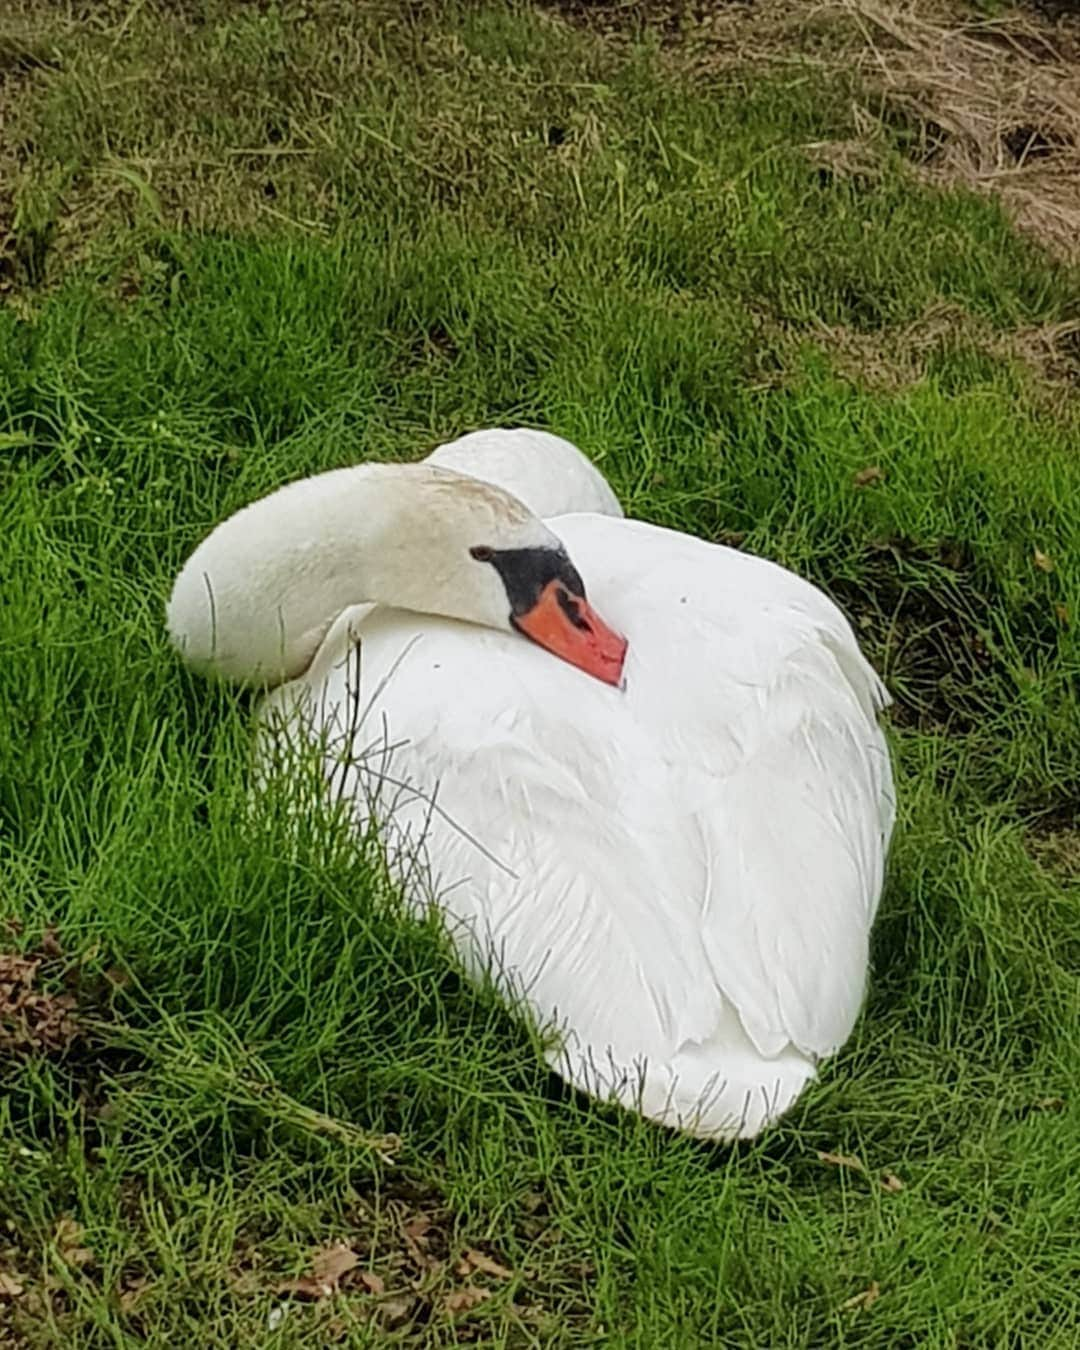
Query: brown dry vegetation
[988,101]
[893,358]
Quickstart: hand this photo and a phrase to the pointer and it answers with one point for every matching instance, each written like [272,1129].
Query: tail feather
[720,1089]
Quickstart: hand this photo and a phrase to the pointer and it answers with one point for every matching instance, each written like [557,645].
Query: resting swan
[670,842]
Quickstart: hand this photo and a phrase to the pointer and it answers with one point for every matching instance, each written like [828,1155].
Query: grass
[248,243]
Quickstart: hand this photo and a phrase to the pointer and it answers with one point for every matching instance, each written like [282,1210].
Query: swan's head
[475,552]
[256,598]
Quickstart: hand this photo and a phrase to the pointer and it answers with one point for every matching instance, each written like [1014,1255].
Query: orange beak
[566,625]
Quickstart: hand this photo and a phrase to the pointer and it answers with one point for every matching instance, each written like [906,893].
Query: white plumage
[682,874]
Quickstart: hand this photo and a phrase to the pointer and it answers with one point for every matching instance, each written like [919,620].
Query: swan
[643,774]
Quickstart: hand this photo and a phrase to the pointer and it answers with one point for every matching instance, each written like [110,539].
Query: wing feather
[682,876]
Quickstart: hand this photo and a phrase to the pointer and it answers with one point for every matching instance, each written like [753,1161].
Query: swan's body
[548,474]
[681,874]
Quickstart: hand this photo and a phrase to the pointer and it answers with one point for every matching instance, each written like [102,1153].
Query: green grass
[178,338]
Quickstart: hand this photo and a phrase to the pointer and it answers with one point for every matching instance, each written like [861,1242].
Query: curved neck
[257,596]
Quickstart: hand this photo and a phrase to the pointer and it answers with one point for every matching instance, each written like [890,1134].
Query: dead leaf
[1042,562]
[50,942]
[32,1020]
[873,473]
[373,1283]
[474,1260]
[394,1311]
[329,1264]
[891,1182]
[16,972]
[1050,1104]
[1061,613]
[848,1160]
[866,1299]
[9,1286]
[461,1300]
[68,1236]
[132,1292]
[413,1232]
[305,1287]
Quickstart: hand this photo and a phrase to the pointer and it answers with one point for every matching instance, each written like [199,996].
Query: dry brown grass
[989,104]
[1059,851]
[21,56]
[891,359]
[994,104]
[704,38]
[119,119]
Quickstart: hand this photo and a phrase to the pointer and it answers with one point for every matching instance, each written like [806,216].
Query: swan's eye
[482,553]
[572,609]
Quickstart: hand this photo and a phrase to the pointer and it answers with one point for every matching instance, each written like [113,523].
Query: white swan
[678,862]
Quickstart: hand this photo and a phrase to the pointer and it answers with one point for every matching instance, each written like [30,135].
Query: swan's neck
[257,596]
